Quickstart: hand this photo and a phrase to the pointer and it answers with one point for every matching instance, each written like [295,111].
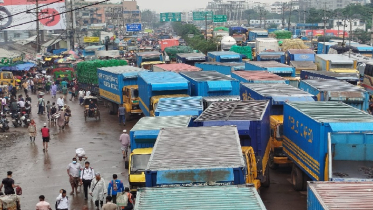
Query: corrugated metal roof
[270,53]
[334,74]
[277,89]
[186,55]
[221,98]
[199,197]
[234,110]
[334,57]
[301,51]
[267,64]
[149,54]
[258,75]
[178,67]
[303,64]
[157,123]
[224,64]
[162,77]
[332,85]
[330,111]
[180,104]
[121,69]
[343,195]
[195,148]
[218,53]
[201,76]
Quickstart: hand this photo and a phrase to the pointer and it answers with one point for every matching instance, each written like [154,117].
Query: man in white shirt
[21,104]
[88,93]
[86,176]
[60,102]
[73,170]
[62,201]
[81,96]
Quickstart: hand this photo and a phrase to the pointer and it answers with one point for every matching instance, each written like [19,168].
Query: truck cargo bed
[349,170]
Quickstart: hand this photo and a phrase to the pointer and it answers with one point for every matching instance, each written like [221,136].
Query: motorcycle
[25,119]
[4,123]
[28,108]
[16,120]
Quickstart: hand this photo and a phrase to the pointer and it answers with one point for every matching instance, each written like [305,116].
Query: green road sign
[170,17]
[201,15]
[219,18]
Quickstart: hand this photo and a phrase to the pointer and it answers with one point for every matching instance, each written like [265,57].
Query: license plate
[135,101]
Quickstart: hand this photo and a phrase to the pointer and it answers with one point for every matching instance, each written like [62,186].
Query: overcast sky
[176,5]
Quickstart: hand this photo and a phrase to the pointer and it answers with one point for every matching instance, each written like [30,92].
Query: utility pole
[291,7]
[206,25]
[37,28]
[324,19]
[283,15]
[371,30]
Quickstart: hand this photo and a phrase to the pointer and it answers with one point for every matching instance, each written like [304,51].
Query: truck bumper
[136,111]
[281,160]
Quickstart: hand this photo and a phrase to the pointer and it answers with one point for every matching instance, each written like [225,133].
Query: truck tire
[297,178]
[271,162]
[305,179]
[126,164]
[267,180]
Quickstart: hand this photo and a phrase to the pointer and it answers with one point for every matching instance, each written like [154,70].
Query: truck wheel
[297,178]
[267,180]
[126,164]
[271,162]
[305,179]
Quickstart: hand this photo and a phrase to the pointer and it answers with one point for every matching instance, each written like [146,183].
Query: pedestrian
[62,201]
[21,105]
[8,184]
[81,96]
[98,190]
[41,104]
[109,205]
[54,90]
[14,92]
[13,106]
[25,86]
[47,86]
[32,86]
[88,93]
[48,109]
[73,170]
[61,120]
[46,136]
[125,140]
[32,130]
[72,93]
[43,205]
[115,186]
[3,102]
[86,176]
[130,200]
[28,98]
[60,103]
[122,115]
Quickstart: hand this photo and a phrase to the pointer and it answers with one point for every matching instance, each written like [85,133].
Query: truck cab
[276,155]
[131,99]
[6,77]
[154,101]
[138,160]
[254,173]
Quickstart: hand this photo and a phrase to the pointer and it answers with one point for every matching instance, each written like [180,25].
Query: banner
[90,39]
[49,17]
[133,27]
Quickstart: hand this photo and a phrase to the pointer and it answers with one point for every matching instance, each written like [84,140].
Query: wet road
[45,173]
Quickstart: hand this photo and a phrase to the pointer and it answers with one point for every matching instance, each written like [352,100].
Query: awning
[18,67]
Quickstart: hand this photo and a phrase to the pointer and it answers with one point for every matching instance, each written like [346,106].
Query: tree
[362,36]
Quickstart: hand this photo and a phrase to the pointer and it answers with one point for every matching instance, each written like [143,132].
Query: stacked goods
[87,70]
[245,50]
[340,49]
[288,44]
[282,34]
[172,51]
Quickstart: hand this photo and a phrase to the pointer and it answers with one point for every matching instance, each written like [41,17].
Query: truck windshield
[139,162]
[279,131]
[134,93]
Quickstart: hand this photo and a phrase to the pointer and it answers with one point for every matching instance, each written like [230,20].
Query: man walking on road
[125,140]
[46,136]
[98,190]
[43,205]
[86,176]
[60,103]
[122,115]
[73,170]
[62,201]
[115,187]
[109,205]
[8,184]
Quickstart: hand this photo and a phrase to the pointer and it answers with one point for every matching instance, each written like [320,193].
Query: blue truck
[254,34]
[252,121]
[223,68]
[224,56]
[190,58]
[271,56]
[300,55]
[336,90]
[211,83]
[271,66]
[143,136]
[193,160]
[350,78]
[148,58]
[327,141]
[258,77]
[118,85]
[242,197]
[156,85]
[179,106]
[277,95]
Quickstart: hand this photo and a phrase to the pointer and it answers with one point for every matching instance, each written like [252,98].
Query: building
[280,7]
[232,9]
[323,4]
[266,23]
[356,24]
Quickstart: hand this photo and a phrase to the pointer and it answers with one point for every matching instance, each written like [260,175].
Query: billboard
[91,39]
[49,17]
[329,32]
[133,27]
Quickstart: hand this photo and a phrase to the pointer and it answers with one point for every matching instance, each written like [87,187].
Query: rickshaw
[96,112]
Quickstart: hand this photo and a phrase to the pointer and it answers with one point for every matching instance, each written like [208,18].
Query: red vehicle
[168,43]
[329,32]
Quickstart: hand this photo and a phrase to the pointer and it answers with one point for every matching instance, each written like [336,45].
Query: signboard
[11,61]
[133,27]
[90,39]
[202,15]
[170,17]
[97,26]
[219,18]
[14,16]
